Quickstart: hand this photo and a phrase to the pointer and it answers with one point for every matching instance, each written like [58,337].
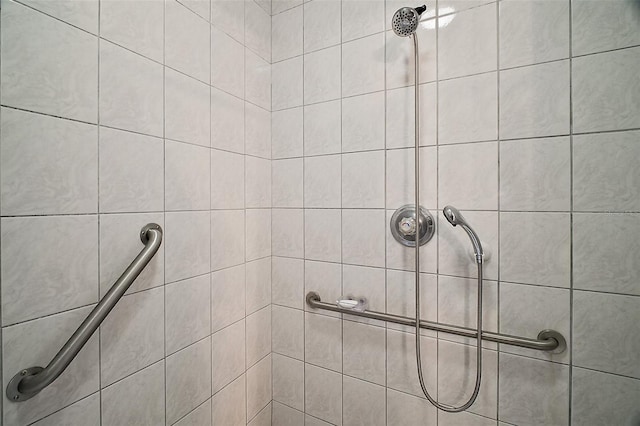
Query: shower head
[405,20]
[455,218]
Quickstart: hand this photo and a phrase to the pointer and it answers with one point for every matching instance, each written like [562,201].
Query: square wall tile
[187,115]
[599,26]
[401,116]
[288,232]
[187,252]
[401,362]
[366,402]
[188,376]
[287,282]
[535,174]
[600,398]
[322,72]
[363,180]
[457,365]
[604,328]
[363,126]
[258,233]
[124,185]
[534,101]
[228,297]
[258,182]
[227,238]
[278,6]
[186,178]
[605,248]
[323,394]
[85,412]
[227,355]
[401,297]
[360,281]
[257,29]
[605,173]
[400,188]
[322,25]
[322,128]
[257,80]
[363,65]
[35,343]
[525,310]
[229,405]
[120,244]
[130,337]
[187,312]
[535,248]
[286,34]
[326,280]
[285,416]
[363,237]
[399,54]
[201,416]
[49,165]
[136,399]
[228,16]
[322,184]
[38,280]
[258,284]
[545,399]
[68,89]
[227,63]
[533,31]
[258,386]
[185,28]
[287,183]
[137,25]
[288,332]
[287,133]
[364,351]
[287,83]
[468,176]
[83,15]
[468,109]
[605,91]
[227,122]
[323,341]
[404,409]
[288,381]
[456,256]
[467,45]
[257,122]
[131,91]
[258,329]
[362,18]
[227,180]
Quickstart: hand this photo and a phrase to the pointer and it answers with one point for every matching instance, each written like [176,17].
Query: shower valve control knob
[408,226]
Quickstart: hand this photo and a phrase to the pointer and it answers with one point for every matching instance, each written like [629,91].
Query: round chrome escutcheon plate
[403,225]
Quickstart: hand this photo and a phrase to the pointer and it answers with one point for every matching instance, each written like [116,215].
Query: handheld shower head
[405,20]
[455,218]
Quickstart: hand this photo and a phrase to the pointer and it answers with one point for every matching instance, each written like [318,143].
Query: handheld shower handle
[455,218]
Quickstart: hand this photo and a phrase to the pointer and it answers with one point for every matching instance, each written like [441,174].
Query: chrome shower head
[455,218]
[405,20]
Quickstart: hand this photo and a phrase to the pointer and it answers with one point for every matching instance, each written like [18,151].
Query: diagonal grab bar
[28,382]
[547,340]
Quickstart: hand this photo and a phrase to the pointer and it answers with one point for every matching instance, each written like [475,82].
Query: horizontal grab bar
[548,340]
[28,382]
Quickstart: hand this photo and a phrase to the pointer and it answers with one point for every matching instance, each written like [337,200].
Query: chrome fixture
[405,20]
[455,218]
[404,227]
[28,382]
[547,341]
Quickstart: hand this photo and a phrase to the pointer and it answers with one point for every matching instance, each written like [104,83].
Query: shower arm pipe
[30,381]
[547,340]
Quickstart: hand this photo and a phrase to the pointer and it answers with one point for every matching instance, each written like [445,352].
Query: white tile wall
[116,114]
[529,121]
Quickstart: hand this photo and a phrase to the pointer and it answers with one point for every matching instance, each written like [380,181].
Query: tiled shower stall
[272,141]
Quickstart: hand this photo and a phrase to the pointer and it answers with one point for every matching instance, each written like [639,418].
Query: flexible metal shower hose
[476,390]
